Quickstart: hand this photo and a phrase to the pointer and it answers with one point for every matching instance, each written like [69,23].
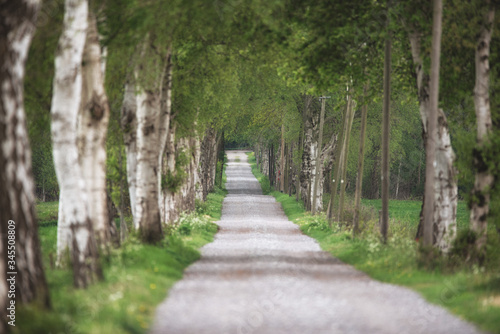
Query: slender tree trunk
[92,130]
[484,180]
[338,164]
[347,138]
[282,159]
[319,164]
[19,243]
[361,160]
[398,179]
[432,125]
[75,230]
[147,205]
[445,184]
[123,224]
[129,127]
[384,224]
[308,153]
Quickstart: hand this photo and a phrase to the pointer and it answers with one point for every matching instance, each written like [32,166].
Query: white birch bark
[445,184]
[17,189]
[92,130]
[483,179]
[147,197]
[76,223]
[129,127]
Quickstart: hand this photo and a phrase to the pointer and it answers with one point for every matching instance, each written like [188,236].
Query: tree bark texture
[361,160]
[75,230]
[445,184]
[17,200]
[93,122]
[384,223]
[484,180]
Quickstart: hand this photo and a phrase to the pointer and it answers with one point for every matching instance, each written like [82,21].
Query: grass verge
[137,277]
[471,293]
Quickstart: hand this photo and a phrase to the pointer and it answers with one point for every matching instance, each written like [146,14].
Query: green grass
[137,277]
[471,293]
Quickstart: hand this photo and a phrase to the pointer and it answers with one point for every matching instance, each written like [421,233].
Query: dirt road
[262,275]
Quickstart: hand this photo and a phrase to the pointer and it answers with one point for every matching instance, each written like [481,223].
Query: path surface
[262,275]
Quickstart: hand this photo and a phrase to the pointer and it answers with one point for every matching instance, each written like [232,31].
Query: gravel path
[262,275]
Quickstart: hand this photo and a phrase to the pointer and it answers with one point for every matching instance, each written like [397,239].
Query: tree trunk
[92,130]
[384,224]
[445,185]
[484,180]
[308,153]
[398,179]
[344,159]
[361,161]
[316,206]
[338,163]
[75,230]
[19,243]
[147,206]
[129,128]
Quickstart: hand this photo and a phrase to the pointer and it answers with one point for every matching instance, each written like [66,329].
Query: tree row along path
[262,275]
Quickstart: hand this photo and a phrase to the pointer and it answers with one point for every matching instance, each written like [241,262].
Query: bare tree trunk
[432,125]
[282,159]
[384,224]
[398,179]
[19,244]
[129,127]
[147,206]
[316,206]
[75,230]
[347,138]
[445,184]
[361,160]
[338,164]
[484,179]
[92,130]
[308,153]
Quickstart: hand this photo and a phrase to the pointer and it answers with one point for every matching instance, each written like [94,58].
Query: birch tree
[19,244]
[75,230]
[483,179]
[445,184]
[93,122]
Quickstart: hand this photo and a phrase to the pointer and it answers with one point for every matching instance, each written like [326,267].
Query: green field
[471,292]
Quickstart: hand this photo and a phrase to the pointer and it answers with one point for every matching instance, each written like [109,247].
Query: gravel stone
[262,275]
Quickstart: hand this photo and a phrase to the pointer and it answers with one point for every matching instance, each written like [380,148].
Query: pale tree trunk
[18,226]
[147,197]
[165,117]
[345,157]
[168,209]
[265,161]
[361,162]
[484,180]
[92,130]
[75,231]
[445,184]
[129,127]
[308,154]
[431,162]
[334,180]
[315,197]
[282,159]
